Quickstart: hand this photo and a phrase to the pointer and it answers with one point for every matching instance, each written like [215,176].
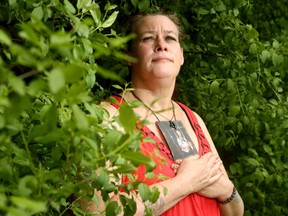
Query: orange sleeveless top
[191,205]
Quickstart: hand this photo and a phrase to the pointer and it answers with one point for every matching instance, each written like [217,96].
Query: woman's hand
[196,173]
[220,189]
[175,166]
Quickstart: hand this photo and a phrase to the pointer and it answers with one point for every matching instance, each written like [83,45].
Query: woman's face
[157,48]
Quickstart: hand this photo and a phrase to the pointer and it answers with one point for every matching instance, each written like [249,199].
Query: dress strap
[204,146]
[117,103]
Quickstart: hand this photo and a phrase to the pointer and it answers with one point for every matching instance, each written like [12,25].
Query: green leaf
[90,79]
[214,87]
[56,80]
[38,12]
[87,45]
[253,48]
[69,7]
[109,7]
[277,59]
[34,206]
[127,117]
[36,86]
[117,87]
[144,192]
[80,118]
[268,149]
[143,5]
[112,136]
[4,38]
[154,195]
[134,3]
[113,209]
[59,39]
[124,169]
[5,171]
[138,158]
[285,124]
[17,84]
[111,19]
[107,73]
[276,44]
[83,3]
[73,73]
[27,185]
[265,55]
[83,30]
[96,13]
[231,86]
[234,110]
[220,7]
[253,34]
[202,11]
[3,200]
[253,162]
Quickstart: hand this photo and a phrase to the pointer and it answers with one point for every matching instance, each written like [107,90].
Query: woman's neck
[155,99]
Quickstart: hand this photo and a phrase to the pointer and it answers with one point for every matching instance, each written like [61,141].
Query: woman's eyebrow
[153,32]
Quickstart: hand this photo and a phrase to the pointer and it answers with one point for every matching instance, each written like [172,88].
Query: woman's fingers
[198,172]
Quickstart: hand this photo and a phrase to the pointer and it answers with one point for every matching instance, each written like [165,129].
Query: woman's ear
[182,56]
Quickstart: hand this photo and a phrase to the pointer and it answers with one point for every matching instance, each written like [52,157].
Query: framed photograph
[177,138]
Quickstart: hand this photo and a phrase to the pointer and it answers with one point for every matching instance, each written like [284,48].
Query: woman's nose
[160,45]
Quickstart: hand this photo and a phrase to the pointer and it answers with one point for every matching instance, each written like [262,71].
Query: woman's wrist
[229,197]
[184,190]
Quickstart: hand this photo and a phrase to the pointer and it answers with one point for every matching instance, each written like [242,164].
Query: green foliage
[58,60]
[238,87]
[56,137]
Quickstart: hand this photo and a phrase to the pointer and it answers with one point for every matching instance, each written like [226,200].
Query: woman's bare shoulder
[112,110]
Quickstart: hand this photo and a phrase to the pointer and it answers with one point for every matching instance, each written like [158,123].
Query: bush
[58,60]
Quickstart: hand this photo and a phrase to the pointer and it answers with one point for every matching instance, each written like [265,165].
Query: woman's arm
[205,173]
[222,189]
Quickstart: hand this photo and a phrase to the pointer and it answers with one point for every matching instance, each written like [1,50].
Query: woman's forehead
[151,23]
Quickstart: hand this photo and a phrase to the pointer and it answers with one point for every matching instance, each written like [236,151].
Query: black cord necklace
[174,132]
[171,123]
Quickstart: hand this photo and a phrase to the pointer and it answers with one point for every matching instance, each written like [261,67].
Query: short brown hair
[134,20]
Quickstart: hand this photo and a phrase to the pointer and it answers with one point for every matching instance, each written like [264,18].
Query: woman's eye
[170,38]
[150,38]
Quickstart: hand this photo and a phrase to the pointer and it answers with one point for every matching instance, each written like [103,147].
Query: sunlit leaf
[83,3]
[80,118]
[154,195]
[69,7]
[35,206]
[144,192]
[109,7]
[96,13]
[265,55]
[111,19]
[56,80]
[138,158]
[17,85]
[60,38]
[127,118]
[4,38]
[124,169]
[38,12]
[277,59]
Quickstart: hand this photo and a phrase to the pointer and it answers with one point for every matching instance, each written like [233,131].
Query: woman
[198,184]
